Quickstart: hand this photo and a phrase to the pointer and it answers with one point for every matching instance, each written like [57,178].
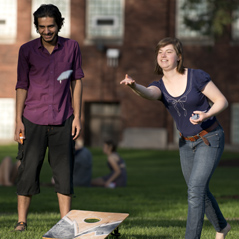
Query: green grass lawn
[155,198]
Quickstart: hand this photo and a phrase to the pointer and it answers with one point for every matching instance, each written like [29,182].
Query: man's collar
[58,44]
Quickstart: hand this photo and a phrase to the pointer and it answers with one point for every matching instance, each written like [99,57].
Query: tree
[210,17]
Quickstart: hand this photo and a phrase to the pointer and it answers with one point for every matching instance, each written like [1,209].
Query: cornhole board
[86,224]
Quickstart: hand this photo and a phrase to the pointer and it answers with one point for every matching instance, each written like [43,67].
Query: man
[83,166]
[48,111]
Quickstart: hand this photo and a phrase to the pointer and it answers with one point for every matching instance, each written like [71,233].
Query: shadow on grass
[133,228]
[150,229]
[140,237]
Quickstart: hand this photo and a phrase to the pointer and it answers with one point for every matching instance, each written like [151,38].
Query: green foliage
[155,198]
[212,19]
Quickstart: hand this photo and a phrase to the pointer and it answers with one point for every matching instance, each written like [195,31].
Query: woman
[118,175]
[186,94]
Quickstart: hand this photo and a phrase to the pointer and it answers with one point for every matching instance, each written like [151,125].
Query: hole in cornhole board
[92,220]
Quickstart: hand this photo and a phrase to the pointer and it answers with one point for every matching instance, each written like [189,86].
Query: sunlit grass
[155,198]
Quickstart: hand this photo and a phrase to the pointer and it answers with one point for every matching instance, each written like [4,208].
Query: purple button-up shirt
[48,101]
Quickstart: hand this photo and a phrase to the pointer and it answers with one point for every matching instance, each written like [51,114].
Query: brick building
[118,37]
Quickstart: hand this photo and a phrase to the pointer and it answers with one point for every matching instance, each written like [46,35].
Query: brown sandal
[22,226]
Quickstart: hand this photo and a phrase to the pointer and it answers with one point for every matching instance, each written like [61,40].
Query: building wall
[146,22]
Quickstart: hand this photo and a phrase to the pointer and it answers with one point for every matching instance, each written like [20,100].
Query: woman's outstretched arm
[150,93]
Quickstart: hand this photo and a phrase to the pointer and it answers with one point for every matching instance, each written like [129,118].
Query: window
[235,26]
[182,30]
[105,19]
[102,121]
[7,118]
[235,124]
[8,21]
[63,6]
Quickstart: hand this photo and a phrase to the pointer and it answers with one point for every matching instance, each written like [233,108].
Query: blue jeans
[198,162]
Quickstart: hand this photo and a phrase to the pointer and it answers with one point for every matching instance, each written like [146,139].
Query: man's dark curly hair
[48,10]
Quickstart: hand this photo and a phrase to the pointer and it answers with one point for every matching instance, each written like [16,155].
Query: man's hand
[76,128]
[20,129]
[77,89]
[21,95]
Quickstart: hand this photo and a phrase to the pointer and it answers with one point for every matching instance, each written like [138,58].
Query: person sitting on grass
[8,171]
[118,175]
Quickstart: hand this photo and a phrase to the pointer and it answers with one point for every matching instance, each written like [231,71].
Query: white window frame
[235,26]
[7,118]
[105,32]
[8,21]
[64,7]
